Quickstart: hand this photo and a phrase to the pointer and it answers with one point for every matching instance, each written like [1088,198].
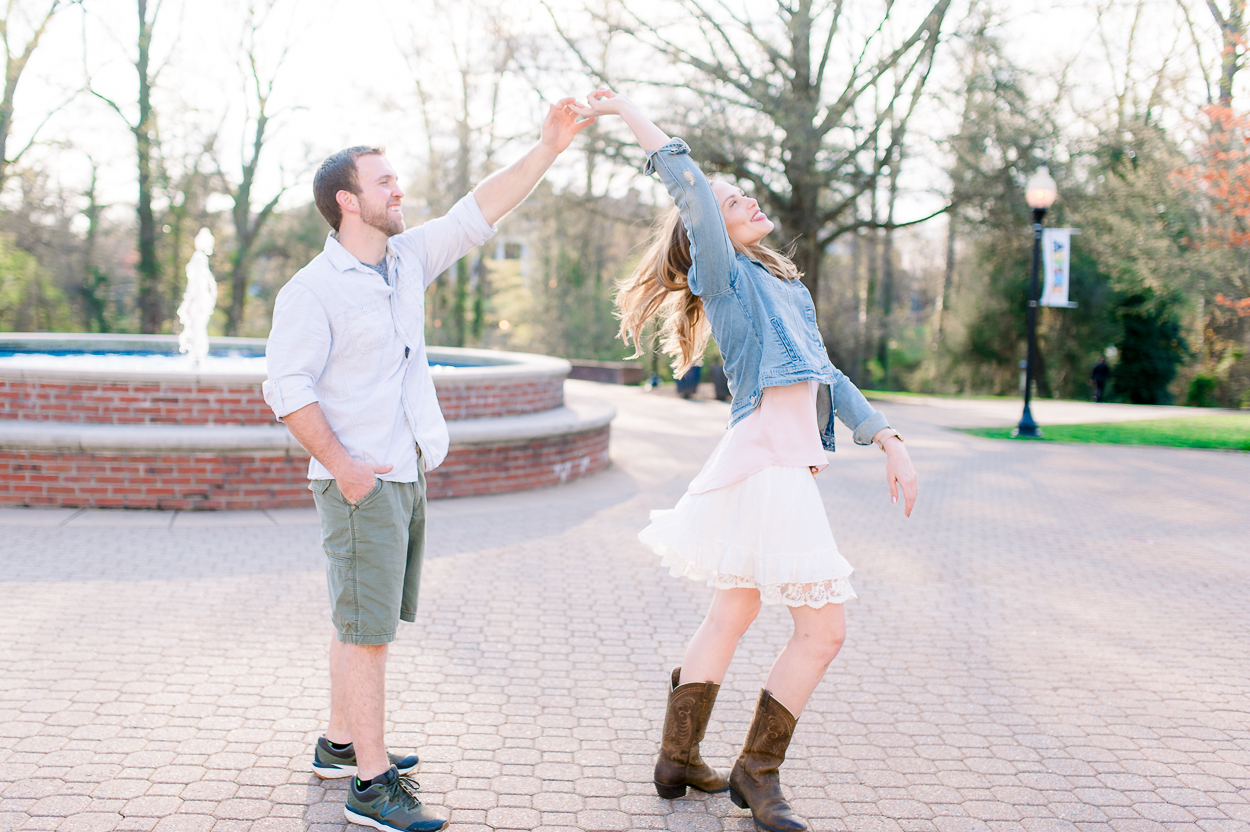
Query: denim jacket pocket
[783,337]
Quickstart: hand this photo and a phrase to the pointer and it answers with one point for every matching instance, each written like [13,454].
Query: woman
[751,524]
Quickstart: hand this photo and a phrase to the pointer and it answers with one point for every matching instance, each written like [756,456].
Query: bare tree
[16,56]
[1232,25]
[95,284]
[459,104]
[248,220]
[778,107]
[143,127]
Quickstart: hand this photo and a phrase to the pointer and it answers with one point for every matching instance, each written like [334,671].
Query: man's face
[380,194]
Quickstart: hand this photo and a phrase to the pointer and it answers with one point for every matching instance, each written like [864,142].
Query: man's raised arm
[505,189]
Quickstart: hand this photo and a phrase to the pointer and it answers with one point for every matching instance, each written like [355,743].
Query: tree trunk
[240,271]
[460,302]
[6,119]
[240,263]
[1233,33]
[151,306]
[948,277]
[809,256]
[887,275]
[94,306]
[860,288]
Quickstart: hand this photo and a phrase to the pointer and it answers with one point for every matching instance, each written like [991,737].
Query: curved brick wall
[497,393]
[133,402]
[145,480]
[235,480]
[168,402]
[536,463]
[498,398]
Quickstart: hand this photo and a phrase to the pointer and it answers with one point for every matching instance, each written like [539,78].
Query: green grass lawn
[1229,432]
[886,394]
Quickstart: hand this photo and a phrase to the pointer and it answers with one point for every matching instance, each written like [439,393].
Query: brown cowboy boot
[755,782]
[679,766]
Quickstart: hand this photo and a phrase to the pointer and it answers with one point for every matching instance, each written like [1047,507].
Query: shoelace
[409,788]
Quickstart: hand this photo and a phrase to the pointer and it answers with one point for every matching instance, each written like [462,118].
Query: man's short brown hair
[338,173]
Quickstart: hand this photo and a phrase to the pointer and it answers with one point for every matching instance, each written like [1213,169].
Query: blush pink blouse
[782,431]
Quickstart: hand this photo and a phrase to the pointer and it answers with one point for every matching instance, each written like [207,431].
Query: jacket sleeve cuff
[675,147]
[867,429]
[284,402]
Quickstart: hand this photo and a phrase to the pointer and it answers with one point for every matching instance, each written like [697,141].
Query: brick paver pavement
[1058,639]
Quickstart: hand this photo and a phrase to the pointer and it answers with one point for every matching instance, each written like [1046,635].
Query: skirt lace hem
[814,594]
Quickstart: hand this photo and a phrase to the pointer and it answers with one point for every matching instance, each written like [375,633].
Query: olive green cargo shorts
[373,556]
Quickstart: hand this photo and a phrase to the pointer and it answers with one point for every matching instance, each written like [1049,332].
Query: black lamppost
[1040,193]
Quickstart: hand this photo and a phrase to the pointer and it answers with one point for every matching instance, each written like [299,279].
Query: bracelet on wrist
[879,440]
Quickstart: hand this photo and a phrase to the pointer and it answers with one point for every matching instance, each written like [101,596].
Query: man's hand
[504,189]
[561,125]
[355,479]
[899,473]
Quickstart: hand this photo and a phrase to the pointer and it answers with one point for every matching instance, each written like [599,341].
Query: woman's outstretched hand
[604,102]
[899,473]
[601,102]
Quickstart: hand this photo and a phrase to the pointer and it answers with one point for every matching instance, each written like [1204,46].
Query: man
[348,375]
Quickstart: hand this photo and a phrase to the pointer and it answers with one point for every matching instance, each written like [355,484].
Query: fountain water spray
[199,301]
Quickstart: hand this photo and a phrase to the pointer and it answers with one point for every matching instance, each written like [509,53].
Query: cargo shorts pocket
[344,593]
[338,543]
[368,495]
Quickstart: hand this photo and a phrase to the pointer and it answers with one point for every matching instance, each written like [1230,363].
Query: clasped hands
[569,116]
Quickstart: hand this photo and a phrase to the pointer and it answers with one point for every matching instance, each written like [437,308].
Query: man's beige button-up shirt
[354,342]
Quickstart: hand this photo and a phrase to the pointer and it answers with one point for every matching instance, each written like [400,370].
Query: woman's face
[744,220]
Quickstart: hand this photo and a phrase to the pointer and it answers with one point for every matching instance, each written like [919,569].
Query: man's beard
[383,220]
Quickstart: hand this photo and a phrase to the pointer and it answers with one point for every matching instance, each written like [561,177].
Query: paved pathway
[1058,639]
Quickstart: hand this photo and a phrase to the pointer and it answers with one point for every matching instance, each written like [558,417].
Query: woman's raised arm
[604,102]
[711,251]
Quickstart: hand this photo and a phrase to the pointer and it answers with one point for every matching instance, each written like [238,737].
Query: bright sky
[346,79]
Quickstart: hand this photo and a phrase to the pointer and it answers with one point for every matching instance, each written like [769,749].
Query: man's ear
[347,201]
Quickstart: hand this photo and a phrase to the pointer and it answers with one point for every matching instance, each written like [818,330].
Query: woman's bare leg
[818,636]
[710,651]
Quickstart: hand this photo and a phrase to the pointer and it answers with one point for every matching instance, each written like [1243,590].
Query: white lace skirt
[767,532]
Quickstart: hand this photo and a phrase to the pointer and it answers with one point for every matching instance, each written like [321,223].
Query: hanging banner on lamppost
[1056,266]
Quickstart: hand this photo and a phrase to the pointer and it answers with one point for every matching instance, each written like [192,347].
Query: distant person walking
[752,524]
[348,375]
[1100,375]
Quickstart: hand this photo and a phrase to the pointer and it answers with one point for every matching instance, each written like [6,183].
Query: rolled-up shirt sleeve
[711,251]
[297,351]
[854,410]
[440,242]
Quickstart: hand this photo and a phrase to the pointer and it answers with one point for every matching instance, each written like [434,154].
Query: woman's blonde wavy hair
[658,288]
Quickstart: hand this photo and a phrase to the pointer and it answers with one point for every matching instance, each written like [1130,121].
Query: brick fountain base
[172,437]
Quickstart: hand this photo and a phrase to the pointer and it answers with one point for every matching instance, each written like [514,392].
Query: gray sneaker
[391,804]
[328,764]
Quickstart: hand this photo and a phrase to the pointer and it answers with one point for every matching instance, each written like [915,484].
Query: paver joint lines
[1059,639]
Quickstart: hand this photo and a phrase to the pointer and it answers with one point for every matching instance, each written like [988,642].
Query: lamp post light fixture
[1040,193]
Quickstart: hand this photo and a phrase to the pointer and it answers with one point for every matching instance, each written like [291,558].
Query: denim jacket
[765,327]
